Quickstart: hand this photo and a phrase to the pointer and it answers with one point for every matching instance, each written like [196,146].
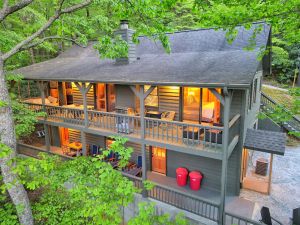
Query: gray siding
[78,99]
[210,168]
[233,171]
[124,96]
[251,114]
[169,100]
[54,136]
[137,151]
[92,139]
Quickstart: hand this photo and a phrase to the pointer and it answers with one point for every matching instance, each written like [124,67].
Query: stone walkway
[285,190]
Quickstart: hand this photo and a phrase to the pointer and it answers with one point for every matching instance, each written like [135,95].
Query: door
[64,135]
[244,165]
[159,160]
[191,104]
[101,97]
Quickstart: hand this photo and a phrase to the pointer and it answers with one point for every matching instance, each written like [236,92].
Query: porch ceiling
[265,141]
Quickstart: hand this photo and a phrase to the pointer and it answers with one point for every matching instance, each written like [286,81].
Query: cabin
[191,108]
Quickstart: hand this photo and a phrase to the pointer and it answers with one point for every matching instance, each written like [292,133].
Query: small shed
[259,178]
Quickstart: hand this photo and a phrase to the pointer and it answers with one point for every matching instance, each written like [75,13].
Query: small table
[77,146]
[154,114]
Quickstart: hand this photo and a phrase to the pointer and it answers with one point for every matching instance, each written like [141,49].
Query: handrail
[233,120]
[276,103]
[237,219]
[186,194]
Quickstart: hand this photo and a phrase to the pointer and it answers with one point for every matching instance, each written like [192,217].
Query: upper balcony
[182,119]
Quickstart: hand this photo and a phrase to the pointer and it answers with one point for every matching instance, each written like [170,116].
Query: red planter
[181,176]
[195,180]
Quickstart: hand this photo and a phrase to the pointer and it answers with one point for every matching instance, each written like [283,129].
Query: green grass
[281,97]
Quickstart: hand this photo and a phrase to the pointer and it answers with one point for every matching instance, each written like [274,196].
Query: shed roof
[198,58]
[265,141]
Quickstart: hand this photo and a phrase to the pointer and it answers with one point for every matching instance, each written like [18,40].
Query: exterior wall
[169,100]
[252,112]
[233,171]
[54,136]
[78,99]
[210,168]
[137,151]
[125,96]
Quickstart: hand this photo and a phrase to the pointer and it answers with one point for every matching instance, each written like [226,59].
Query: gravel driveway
[285,190]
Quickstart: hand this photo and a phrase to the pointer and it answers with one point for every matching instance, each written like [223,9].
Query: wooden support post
[224,158]
[217,95]
[141,94]
[83,142]
[142,115]
[84,90]
[270,174]
[42,87]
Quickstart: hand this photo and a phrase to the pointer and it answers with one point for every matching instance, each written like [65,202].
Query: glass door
[191,104]
[159,160]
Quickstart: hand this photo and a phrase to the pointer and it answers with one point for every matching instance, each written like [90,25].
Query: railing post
[42,87]
[225,137]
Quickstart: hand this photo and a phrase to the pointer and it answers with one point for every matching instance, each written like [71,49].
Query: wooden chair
[66,151]
[168,116]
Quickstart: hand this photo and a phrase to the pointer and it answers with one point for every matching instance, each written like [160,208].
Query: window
[152,98]
[255,90]
[250,97]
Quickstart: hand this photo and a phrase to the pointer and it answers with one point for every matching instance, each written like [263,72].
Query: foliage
[7,211]
[284,19]
[85,190]
[280,115]
[148,216]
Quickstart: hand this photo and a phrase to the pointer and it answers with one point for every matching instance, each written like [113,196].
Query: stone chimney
[126,35]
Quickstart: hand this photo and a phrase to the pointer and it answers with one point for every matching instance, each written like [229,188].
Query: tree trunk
[17,192]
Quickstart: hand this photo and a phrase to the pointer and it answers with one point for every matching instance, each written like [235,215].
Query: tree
[71,23]
[87,190]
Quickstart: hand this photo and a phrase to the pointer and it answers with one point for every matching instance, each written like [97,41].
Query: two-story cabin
[190,108]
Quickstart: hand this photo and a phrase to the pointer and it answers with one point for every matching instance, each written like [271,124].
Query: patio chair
[41,133]
[67,151]
[124,125]
[208,112]
[266,217]
[139,161]
[168,116]
[95,150]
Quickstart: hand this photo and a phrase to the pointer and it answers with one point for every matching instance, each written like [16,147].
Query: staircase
[268,105]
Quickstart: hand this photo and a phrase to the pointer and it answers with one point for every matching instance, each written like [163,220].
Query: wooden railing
[185,201]
[233,219]
[171,132]
[268,106]
[183,133]
[64,114]
[119,123]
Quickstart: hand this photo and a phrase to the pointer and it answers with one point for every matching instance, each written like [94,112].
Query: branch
[50,38]
[51,20]
[7,10]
